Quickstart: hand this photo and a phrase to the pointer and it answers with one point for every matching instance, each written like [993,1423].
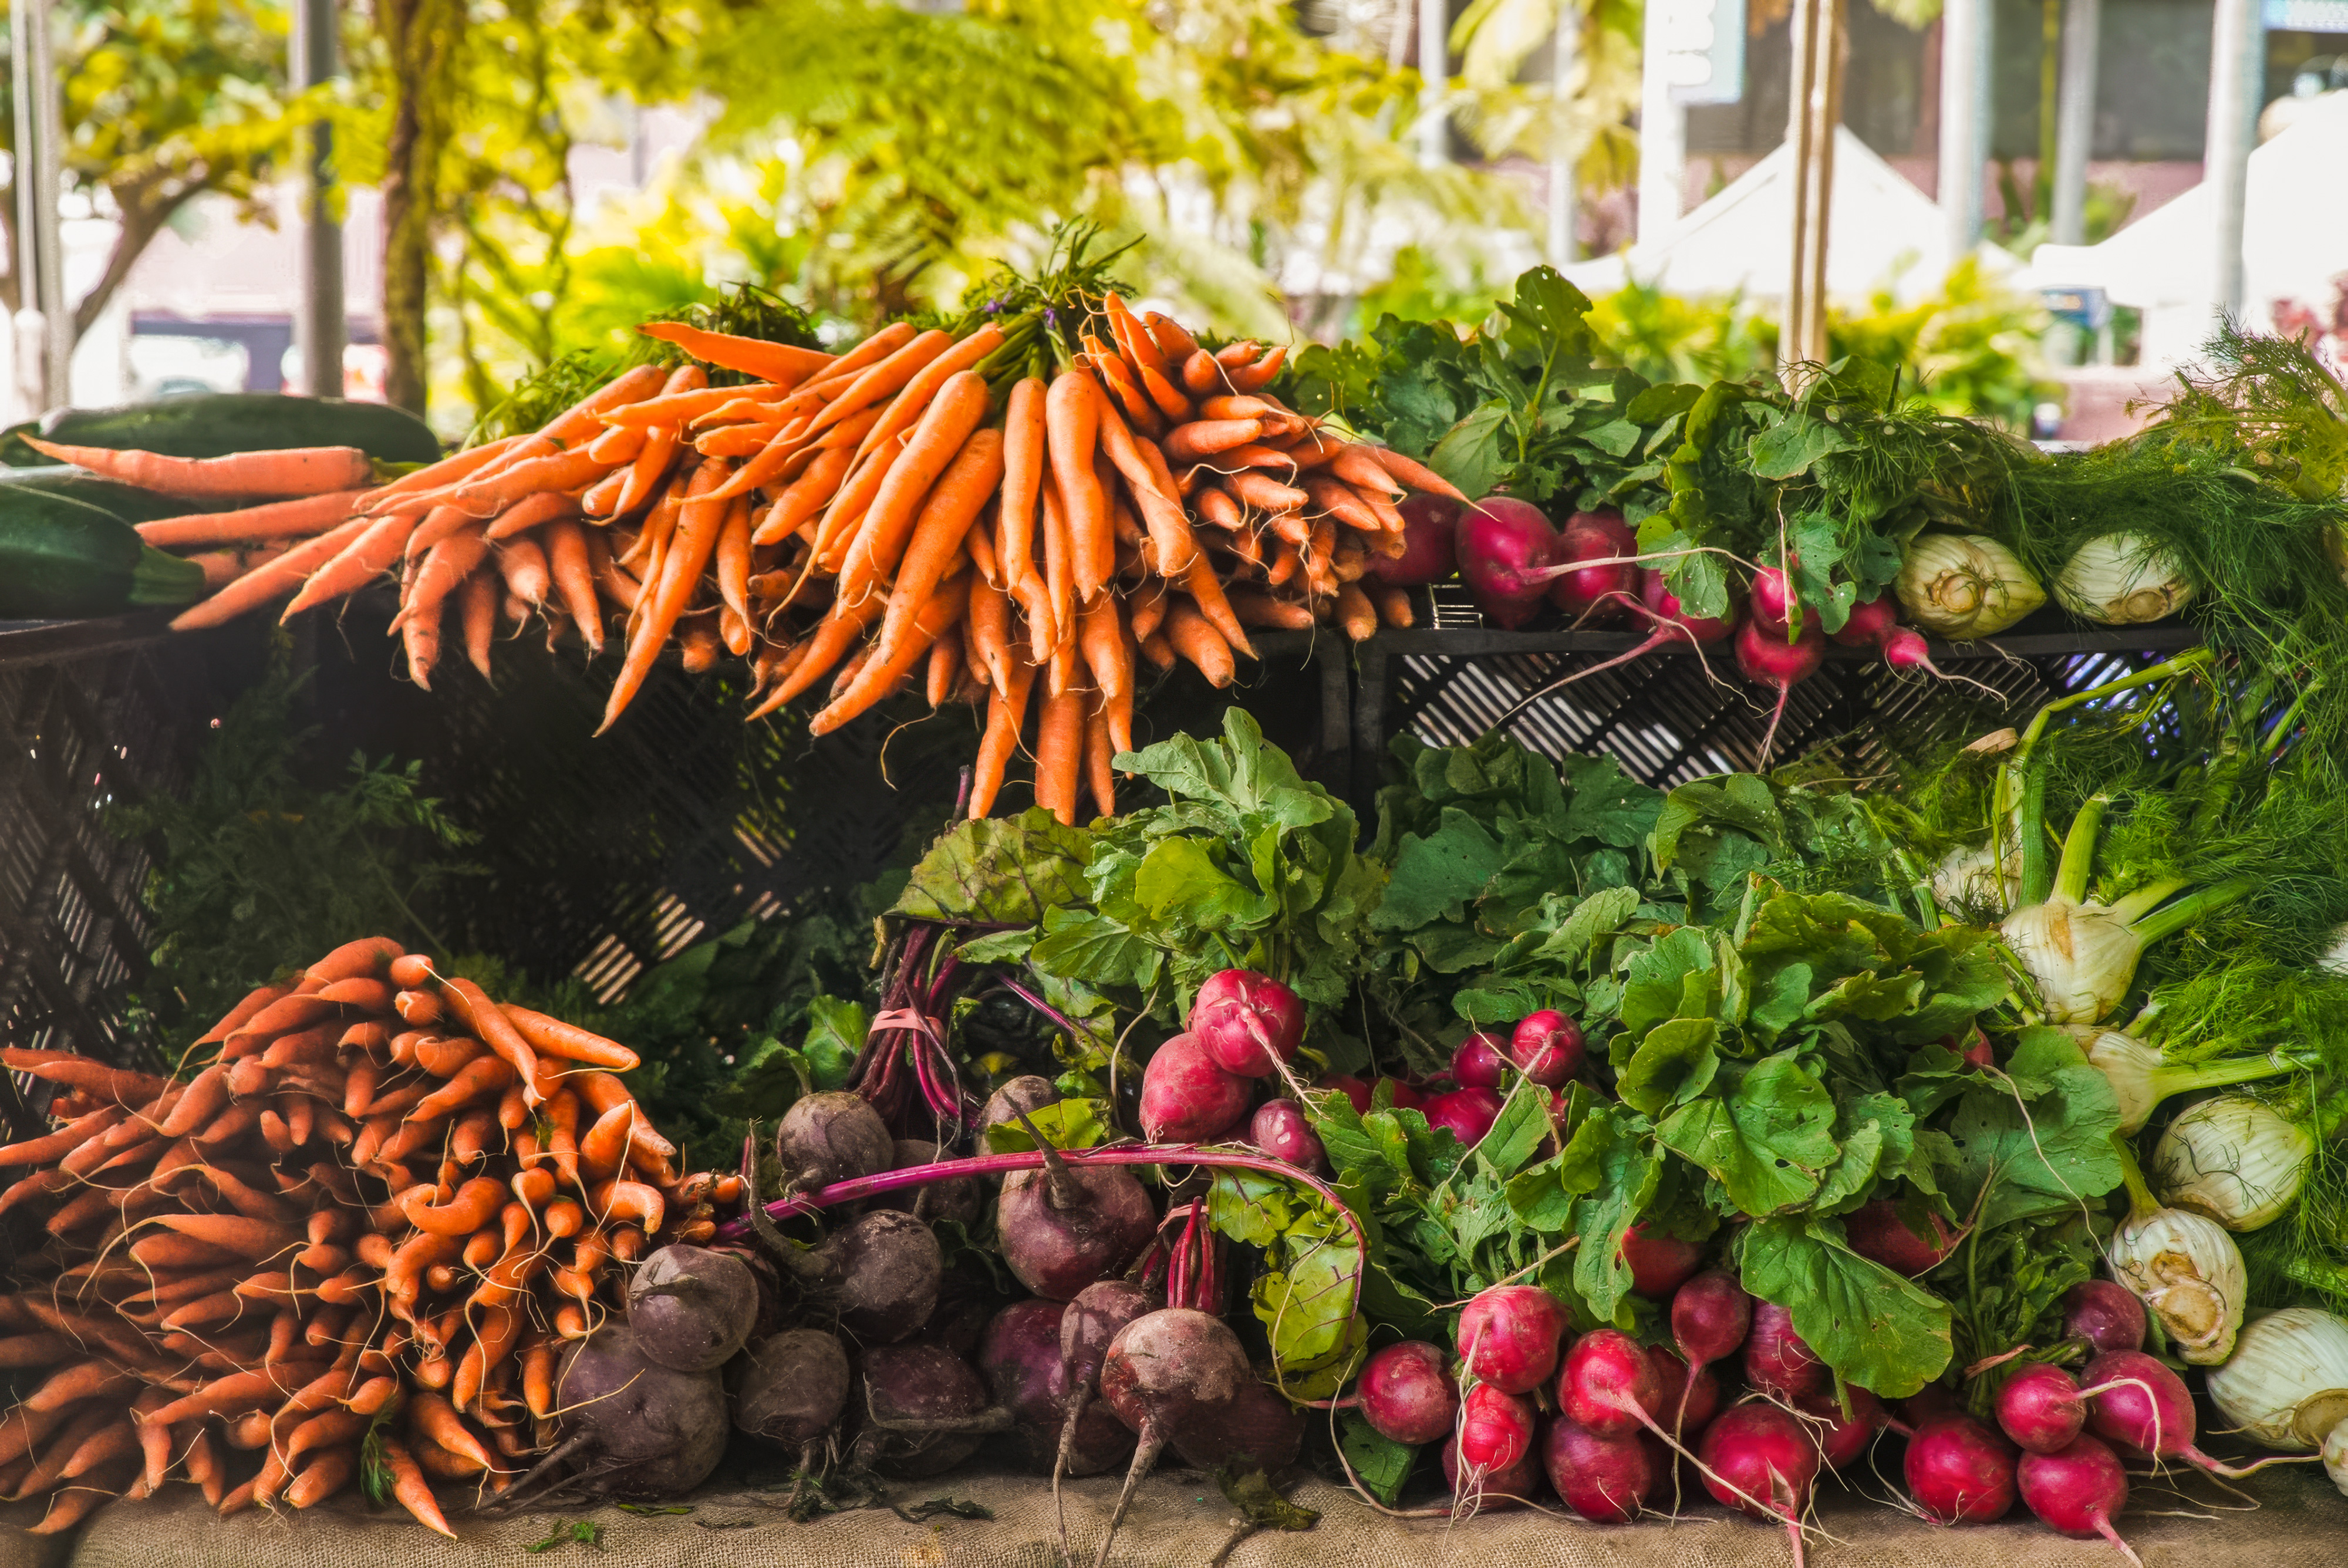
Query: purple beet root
[911,1403]
[1027,1092]
[1063,1227]
[1172,1376]
[792,1387]
[889,1270]
[833,1137]
[961,1200]
[630,1429]
[692,1308]
[1020,1360]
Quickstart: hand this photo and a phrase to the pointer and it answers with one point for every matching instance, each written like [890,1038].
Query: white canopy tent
[2294,242]
[1883,231]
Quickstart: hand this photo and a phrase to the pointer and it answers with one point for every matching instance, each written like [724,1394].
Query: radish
[1924,1404]
[1606,1480]
[2142,1406]
[1407,1392]
[1429,553]
[1609,1387]
[1246,1022]
[1669,624]
[1504,546]
[1480,1061]
[2105,1314]
[1866,623]
[1546,1046]
[2076,1490]
[1509,1336]
[1878,622]
[1357,1092]
[1843,1439]
[1877,1232]
[1693,1398]
[1773,601]
[2041,1409]
[1282,1131]
[1467,1112]
[1060,1229]
[1496,1429]
[1598,537]
[1757,1459]
[1777,1360]
[1187,1097]
[1710,1315]
[1479,1490]
[1958,1471]
[1659,1265]
[1767,659]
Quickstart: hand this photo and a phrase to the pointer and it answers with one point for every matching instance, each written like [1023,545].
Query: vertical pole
[2234,55]
[48,170]
[1813,109]
[1564,190]
[28,337]
[1793,333]
[1434,72]
[1964,120]
[2074,121]
[1662,130]
[318,320]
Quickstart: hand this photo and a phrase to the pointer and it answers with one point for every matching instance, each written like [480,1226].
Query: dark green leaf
[1768,1140]
[1382,1465]
[1879,1331]
[1001,870]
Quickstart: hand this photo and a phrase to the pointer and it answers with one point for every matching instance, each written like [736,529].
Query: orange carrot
[698,522]
[279,520]
[1355,613]
[946,517]
[1099,775]
[491,493]
[1202,438]
[292,471]
[1254,376]
[775,362]
[571,430]
[445,567]
[1072,412]
[574,579]
[1022,477]
[409,1485]
[281,575]
[1194,637]
[944,672]
[733,558]
[837,533]
[1170,531]
[1006,715]
[435,477]
[1413,473]
[1054,627]
[825,645]
[1207,592]
[489,1025]
[522,565]
[1202,375]
[1120,387]
[531,511]
[905,410]
[881,676]
[1100,637]
[989,627]
[477,607]
[553,1037]
[946,426]
[889,376]
[1060,753]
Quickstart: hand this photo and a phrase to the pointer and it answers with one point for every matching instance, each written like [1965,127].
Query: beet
[1186,1098]
[1546,1046]
[1875,1232]
[1468,1113]
[1606,1480]
[910,1396]
[792,1387]
[1777,1360]
[2105,1314]
[1659,1263]
[829,1138]
[961,1200]
[1509,1336]
[1063,1227]
[1280,1130]
[1025,1092]
[1020,1360]
[1958,1471]
[1247,1022]
[1408,1393]
[1169,1375]
[889,1269]
[968,1300]
[1429,553]
[1511,1488]
[627,1427]
[692,1308]
[1480,1061]
[1091,1438]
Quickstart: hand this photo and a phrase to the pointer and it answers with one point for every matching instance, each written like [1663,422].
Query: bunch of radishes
[1545,1046]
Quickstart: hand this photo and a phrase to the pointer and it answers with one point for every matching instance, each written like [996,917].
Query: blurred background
[2015,181]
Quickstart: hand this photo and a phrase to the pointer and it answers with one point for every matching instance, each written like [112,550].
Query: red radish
[2076,1491]
[1546,1047]
[1767,659]
[1402,1096]
[1877,1232]
[1430,550]
[1773,600]
[1355,1091]
[1757,1459]
[1843,1439]
[1496,1429]
[1777,1360]
[2105,1314]
[1480,1061]
[1926,1403]
[1280,1130]
[1504,546]
[1186,1098]
[1907,649]
[1973,1045]
[1958,1471]
[1710,1315]
[1408,1393]
[1509,1336]
[1246,1022]
[1866,623]
[1877,622]
[1477,1490]
[1596,537]
[1606,1480]
[2040,1409]
[1467,1112]
[1693,1398]
[1668,624]
[1660,1264]
[2142,1406]
[1609,1387]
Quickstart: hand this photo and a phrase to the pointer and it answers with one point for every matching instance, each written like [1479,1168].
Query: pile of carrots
[357,1240]
[925,502]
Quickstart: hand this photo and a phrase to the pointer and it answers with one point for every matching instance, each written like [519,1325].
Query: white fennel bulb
[1965,585]
[2335,1456]
[2335,957]
[1973,879]
[2286,1384]
[2232,1158]
[2082,957]
[2188,1273]
[2123,580]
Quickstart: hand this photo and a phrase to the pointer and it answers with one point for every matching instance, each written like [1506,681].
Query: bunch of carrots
[1022,512]
[356,1241]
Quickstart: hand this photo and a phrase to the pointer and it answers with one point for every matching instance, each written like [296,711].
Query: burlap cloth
[1180,1522]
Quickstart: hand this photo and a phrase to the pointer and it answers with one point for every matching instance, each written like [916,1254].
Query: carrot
[360,562]
[1355,613]
[1194,637]
[49,1146]
[574,580]
[278,520]
[256,1002]
[988,625]
[409,1485]
[572,428]
[491,493]
[477,1202]
[1257,376]
[553,1037]
[1123,389]
[887,375]
[81,1072]
[944,672]
[1262,492]
[1100,637]
[1023,477]
[231,1397]
[254,1238]
[831,639]
[946,428]
[84,1380]
[444,568]
[698,522]
[1099,775]
[938,532]
[680,406]
[882,676]
[482,1077]
[291,472]
[1202,438]
[905,410]
[281,574]
[837,533]
[805,496]
[478,611]
[780,363]
[1414,473]
[1170,531]
[624,1201]
[733,559]
[1207,592]
[1202,375]
[1072,412]
[1059,753]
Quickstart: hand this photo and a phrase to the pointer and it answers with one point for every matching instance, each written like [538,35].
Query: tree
[163,100]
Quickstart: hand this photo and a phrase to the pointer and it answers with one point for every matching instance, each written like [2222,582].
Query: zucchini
[62,558]
[214,424]
[128,503]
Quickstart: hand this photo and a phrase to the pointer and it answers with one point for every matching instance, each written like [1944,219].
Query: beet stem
[1061,1188]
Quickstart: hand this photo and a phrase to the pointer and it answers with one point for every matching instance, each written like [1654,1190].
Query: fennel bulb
[2233,1160]
[1973,879]
[2141,1077]
[2123,580]
[2286,1384]
[2335,1456]
[2188,1272]
[1965,585]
